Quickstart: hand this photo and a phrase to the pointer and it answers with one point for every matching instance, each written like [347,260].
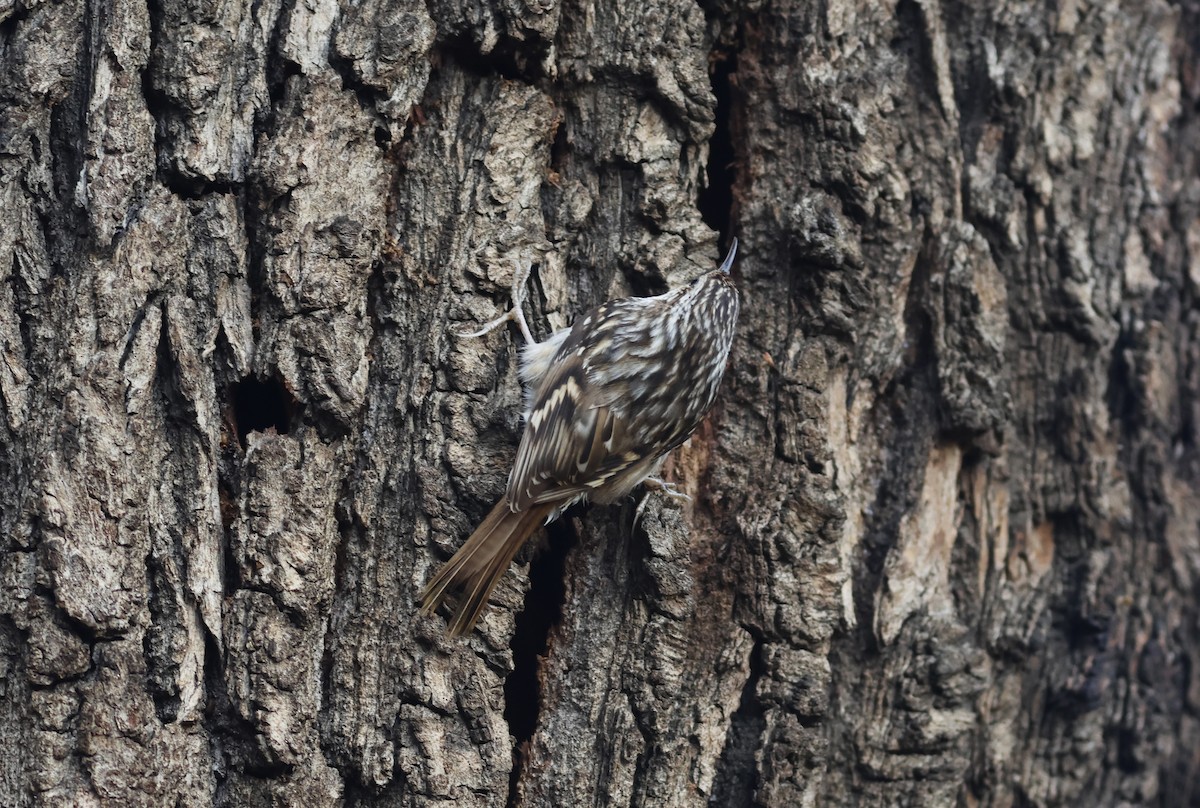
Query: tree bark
[944,542]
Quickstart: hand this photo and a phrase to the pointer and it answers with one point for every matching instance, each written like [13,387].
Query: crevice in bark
[912,412]
[65,221]
[966,591]
[9,478]
[152,304]
[913,41]
[254,213]
[161,668]
[262,404]
[368,97]
[383,138]
[354,792]
[229,478]
[196,188]
[160,108]
[19,13]
[716,201]
[166,562]
[279,70]
[1123,385]
[231,738]
[22,304]
[543,610]
[87,633]
[560,149]
[909,411]
[226,498]
[463,53]
[737,774]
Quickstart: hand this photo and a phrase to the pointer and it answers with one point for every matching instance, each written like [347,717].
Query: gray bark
[944,543]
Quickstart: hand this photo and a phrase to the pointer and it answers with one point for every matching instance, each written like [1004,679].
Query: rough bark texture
[944,546]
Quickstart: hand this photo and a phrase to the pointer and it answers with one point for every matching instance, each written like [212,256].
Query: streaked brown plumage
[606,400]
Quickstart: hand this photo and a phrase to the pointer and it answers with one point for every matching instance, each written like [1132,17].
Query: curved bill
[728,262]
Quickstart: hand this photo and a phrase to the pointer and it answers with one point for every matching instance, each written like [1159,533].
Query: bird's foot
[657,484]
[521,273]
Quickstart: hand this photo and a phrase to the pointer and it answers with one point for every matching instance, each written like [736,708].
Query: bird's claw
[658,484]
[521,273]
[487,328]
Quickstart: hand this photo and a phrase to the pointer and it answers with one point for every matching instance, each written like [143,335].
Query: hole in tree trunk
[262,404]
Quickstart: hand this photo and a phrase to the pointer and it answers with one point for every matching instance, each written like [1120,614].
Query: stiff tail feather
[480,564]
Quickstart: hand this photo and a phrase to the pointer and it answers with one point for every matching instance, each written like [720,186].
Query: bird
[606,399]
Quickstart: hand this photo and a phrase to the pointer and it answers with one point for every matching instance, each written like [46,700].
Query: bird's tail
[480,563]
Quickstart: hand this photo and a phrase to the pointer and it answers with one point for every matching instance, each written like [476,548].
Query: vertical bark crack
[543,610]
[716,201]
[737,773]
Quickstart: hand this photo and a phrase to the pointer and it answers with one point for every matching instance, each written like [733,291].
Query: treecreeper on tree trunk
[605,401]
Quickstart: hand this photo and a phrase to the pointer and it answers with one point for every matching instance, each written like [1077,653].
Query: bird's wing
[600,407]
[572,444]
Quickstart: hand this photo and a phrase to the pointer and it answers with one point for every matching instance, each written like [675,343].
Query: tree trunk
[944,542]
